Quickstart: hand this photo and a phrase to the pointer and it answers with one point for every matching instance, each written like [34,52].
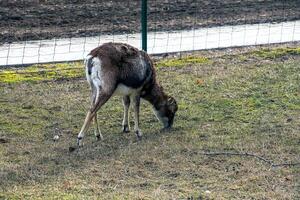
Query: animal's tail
[88,68]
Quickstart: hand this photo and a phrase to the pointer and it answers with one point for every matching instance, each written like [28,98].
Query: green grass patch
[46,72]
[42,72]
[276,52]
[183,61]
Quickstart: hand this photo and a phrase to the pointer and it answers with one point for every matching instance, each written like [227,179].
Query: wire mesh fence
[52,99]
[34,31]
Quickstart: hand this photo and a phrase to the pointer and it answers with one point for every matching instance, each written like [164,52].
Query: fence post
[144,24]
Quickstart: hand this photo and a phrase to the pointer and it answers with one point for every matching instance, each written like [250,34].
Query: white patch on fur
[96,70]
[124,90]
[143,64]
[95,77]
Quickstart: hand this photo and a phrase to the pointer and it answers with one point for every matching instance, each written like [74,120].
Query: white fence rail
[69,49]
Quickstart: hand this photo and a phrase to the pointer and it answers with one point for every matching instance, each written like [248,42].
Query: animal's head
[166,111]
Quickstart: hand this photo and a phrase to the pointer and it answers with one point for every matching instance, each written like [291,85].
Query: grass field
[236,135]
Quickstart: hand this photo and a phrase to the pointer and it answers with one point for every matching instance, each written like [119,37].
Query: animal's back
[131,67]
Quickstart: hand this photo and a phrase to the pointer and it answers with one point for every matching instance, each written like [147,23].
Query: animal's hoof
[79,143]
[125,129]
[99,137]
[71,149]
[139,135]
[166,129]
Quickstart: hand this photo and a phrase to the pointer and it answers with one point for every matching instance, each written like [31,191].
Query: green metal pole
[144,24]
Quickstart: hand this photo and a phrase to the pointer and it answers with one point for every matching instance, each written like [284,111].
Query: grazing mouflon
[117,68]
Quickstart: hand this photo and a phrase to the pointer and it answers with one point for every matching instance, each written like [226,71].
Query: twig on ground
[285,164]
[271,163]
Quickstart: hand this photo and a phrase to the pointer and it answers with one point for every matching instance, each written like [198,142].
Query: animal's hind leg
[97,129]
[86,124]
[103,85]
[125,124]
[93,100]
[102,99]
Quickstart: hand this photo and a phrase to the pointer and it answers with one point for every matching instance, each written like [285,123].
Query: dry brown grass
[237,103]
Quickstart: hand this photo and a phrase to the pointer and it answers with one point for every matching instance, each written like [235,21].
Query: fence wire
[41,31]
[49,31]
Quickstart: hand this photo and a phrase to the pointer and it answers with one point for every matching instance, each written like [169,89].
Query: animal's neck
[155,95]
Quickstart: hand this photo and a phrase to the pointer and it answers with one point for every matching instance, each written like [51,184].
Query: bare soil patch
[32,19]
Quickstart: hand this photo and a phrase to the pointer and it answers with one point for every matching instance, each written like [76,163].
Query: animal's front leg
[136,100]
[125,124]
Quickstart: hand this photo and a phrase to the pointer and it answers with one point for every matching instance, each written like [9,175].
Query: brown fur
[126,65]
